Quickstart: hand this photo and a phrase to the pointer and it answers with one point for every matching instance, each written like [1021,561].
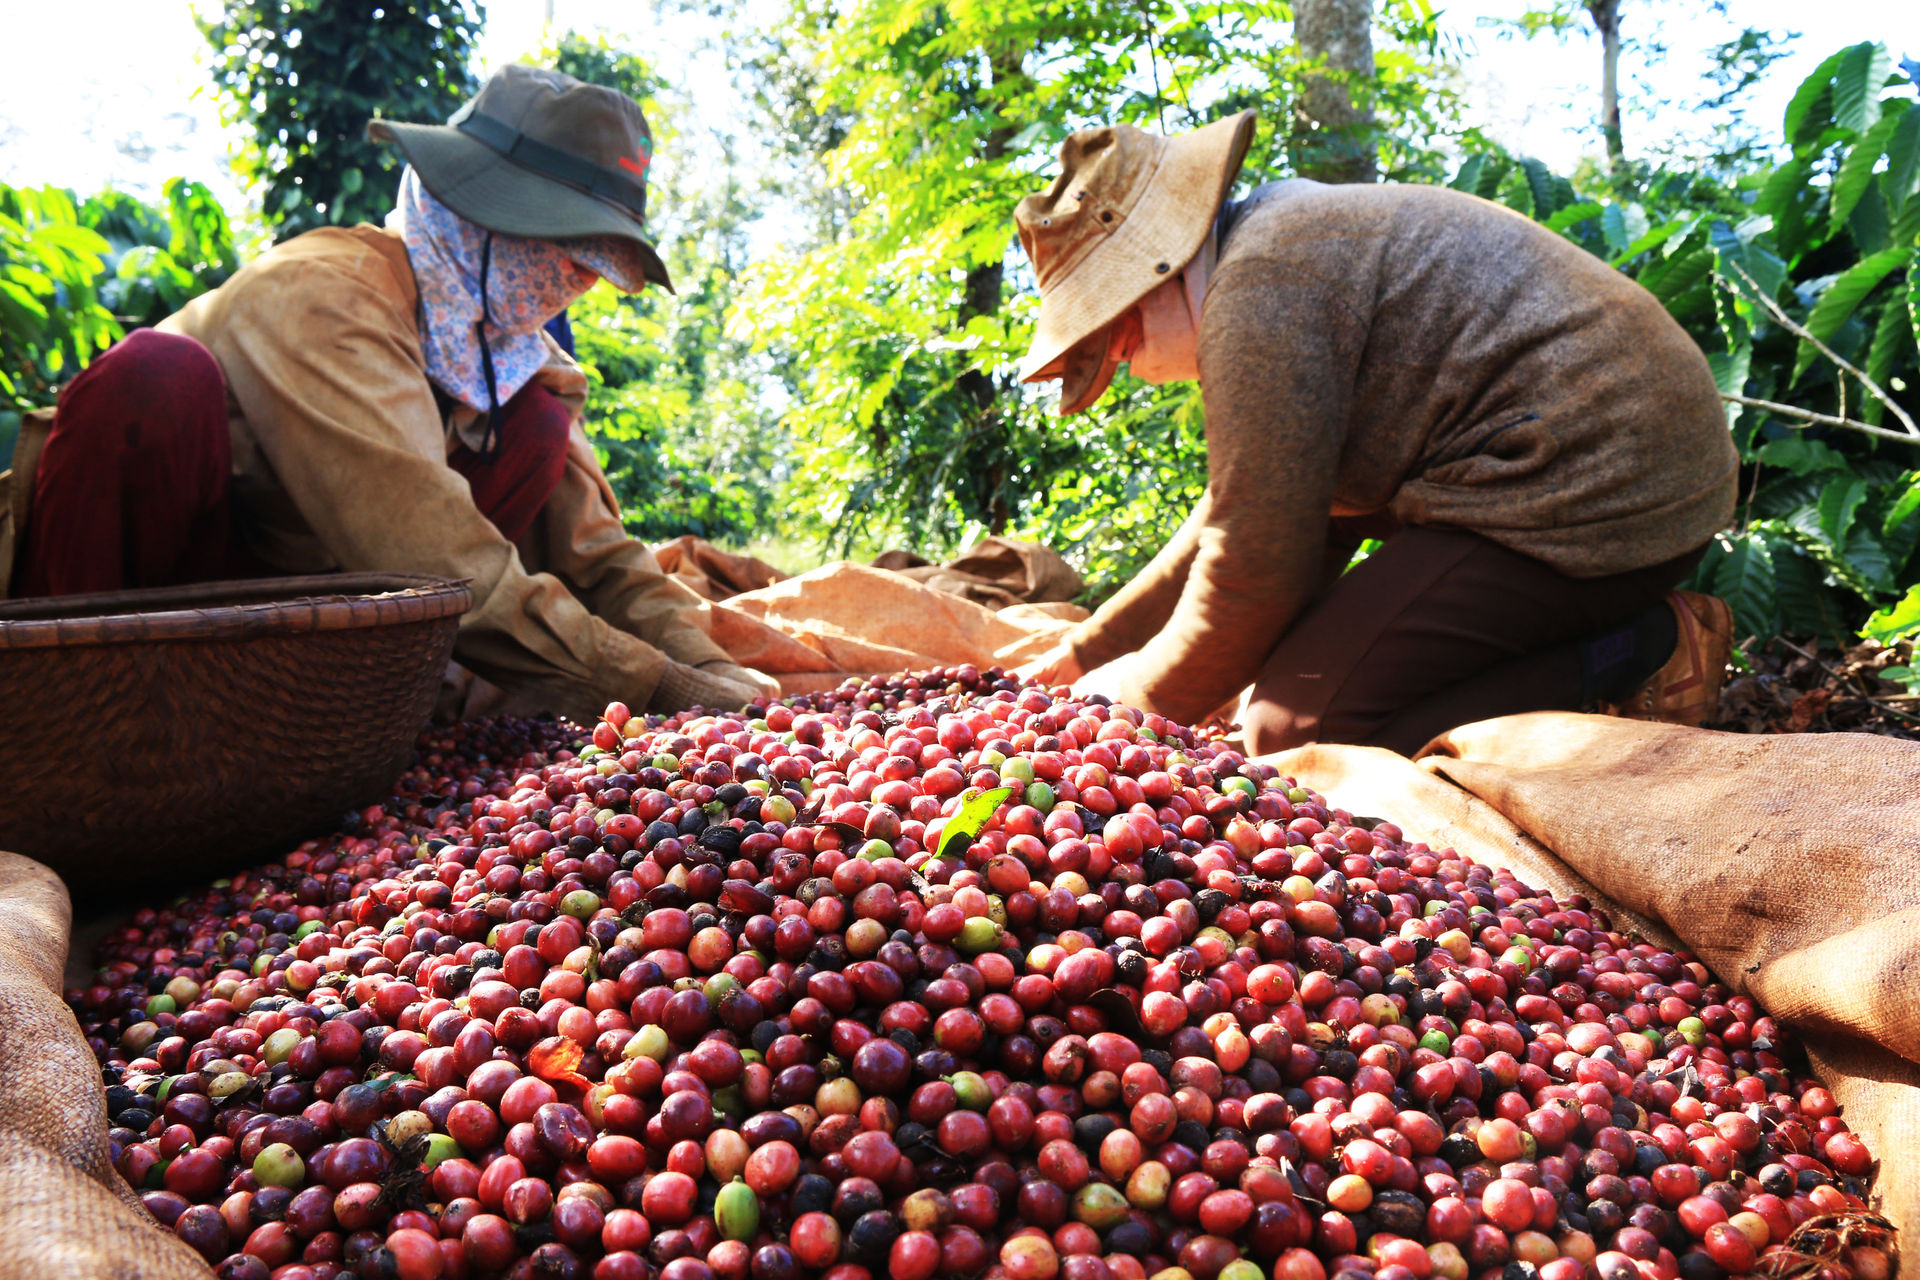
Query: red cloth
[132,485]
[528,460]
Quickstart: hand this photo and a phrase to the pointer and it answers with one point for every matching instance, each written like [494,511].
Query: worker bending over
[1539,444]
[385,399]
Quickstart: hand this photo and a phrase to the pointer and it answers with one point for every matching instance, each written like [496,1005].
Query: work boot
[1686,690]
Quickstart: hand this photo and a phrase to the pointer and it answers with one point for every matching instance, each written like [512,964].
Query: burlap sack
[842,619]
[1790,865]
[996,572]
[713,574]
[64,1211]
[1373,782]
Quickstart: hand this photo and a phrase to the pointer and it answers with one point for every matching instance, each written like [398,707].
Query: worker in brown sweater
[1539,444]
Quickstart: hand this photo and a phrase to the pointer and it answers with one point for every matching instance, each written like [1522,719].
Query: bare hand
[1058,665]
[1117,681]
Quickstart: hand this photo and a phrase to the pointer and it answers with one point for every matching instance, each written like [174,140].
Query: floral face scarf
[484,297]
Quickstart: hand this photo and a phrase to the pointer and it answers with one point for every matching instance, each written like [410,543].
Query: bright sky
[134,108]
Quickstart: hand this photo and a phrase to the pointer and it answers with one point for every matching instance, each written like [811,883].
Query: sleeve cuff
[630,671]
[1092,646]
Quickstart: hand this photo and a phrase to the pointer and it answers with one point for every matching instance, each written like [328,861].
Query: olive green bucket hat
[539,154]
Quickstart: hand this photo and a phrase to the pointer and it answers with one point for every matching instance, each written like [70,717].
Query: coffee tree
[304,76]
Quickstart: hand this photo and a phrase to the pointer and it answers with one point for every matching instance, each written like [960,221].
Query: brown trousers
[1438,628]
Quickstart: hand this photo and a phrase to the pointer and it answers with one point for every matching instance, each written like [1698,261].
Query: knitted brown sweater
[1423,352]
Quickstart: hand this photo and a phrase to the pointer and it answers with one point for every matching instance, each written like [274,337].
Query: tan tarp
[996,572]
[813,631]
[1790,865]
[1004,601]
[711,573]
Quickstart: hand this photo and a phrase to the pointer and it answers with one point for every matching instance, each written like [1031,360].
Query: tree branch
[1819,419]
[1864,695]
[1153,58]
[1792,326]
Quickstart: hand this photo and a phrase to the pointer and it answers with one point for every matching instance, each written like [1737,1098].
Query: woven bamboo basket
[165,735]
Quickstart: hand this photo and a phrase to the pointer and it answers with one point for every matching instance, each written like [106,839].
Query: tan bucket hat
[1128,210]
[539,154]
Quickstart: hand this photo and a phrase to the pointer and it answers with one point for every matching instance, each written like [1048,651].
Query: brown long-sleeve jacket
[340,462]
[1422,352]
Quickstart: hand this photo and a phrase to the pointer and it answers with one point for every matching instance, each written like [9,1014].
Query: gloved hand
[763,685]
[682,687]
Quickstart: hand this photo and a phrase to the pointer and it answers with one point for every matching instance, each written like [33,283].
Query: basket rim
[314,603]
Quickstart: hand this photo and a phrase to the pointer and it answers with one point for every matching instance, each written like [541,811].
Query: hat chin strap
[490,438]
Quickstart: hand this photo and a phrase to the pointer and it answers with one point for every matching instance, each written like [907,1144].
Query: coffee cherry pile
[941,976]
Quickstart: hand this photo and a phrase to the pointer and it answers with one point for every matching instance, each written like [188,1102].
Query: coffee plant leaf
[1857,83]
[1904,506]
[1811,108]
[1843,296]
[1856,171]
[976,807]
[1744,579]
[1896,621]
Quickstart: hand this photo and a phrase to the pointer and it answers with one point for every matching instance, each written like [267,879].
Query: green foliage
[1731,145]
[1776,274]
[907,132]
[74,277]
[52,318]
[1135,478]
[682,444]
[305,76]
[1897,621]
[596,60]
[674,407]
[159,258]
[857,386]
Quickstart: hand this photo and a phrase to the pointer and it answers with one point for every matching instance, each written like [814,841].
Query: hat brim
[491,191]
[1167,226]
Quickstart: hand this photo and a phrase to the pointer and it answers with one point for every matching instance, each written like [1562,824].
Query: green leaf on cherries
[976,807]
[592,972]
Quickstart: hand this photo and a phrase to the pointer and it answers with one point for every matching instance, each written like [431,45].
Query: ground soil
[1796,686]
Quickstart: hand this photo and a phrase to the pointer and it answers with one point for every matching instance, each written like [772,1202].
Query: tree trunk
[1606,20]
[1332,137]
[981,296]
